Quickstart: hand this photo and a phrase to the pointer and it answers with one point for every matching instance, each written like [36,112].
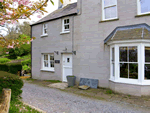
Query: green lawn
[17,106]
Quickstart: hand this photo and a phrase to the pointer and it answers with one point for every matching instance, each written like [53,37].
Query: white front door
[67,66]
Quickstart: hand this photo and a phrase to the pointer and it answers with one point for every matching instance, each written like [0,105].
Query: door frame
[62,68]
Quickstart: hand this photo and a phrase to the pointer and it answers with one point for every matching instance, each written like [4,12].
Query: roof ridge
[62,12]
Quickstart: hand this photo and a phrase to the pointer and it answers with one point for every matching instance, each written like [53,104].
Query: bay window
[130,63]
[147,63]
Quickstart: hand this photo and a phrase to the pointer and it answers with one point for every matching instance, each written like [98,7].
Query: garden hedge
[11,67]
[8,80]
[4,60]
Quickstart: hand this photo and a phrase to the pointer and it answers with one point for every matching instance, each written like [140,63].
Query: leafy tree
[15,32]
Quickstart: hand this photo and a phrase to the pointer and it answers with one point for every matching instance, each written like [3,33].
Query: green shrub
[26,68]
[8,80]
[12,54]
[14,67]
[26,62]
[11,67]
[4,60]
[4,67]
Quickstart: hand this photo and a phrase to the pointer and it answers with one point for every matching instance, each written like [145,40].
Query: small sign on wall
[57,61]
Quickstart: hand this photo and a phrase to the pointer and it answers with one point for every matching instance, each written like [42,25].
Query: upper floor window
[109,9]
[44,29]
[143,6]
[65,26]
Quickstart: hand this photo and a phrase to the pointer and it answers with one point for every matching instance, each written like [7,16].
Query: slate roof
[70,9]
[138,31]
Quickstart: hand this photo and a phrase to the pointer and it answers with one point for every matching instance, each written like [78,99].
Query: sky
[50,8]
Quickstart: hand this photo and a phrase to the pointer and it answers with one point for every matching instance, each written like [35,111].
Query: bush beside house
[11,67]
[12,82]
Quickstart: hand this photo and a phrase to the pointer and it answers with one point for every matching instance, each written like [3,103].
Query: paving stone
[59,85]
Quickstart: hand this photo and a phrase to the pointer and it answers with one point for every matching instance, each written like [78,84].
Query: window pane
[45,25]
[51,63]
[132,54]
[107,13]
[147,71]
[45,63]
[123,70]
[113,69]
[45,31]
[66,26]
[64,21]
[123,54]
[51,57]
[110,12]
[109,2]
[113,55]
[147,54]
[67,20]
[145,6]
[45,57]
[133,71]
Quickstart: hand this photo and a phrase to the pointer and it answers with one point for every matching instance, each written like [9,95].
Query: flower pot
[71,80]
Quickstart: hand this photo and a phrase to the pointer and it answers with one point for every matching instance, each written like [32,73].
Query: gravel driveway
[56,101]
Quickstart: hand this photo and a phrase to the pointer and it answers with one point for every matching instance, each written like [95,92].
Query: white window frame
[63,25]
[139,9]
[47,68]
[44,29]
[103,11]
[145,81]
[140,44]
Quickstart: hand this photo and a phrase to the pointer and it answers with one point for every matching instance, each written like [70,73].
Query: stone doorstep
[33,107]
[58,85]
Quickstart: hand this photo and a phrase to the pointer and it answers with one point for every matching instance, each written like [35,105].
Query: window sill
[145,14]
[114,19]
[44,35]
[50,70]
[65,32]
[131,81]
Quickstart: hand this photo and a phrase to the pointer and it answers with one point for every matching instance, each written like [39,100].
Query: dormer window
[65,26]
[143,6]
[44,29]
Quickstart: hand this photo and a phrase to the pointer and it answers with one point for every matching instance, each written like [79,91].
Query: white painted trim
[103,11]
[141,63]
[129,41]
[47,68]
[51,70]
[63,29]
[44,35]
[66,32]
[139,9]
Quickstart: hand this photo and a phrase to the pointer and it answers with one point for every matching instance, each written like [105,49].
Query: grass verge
[16,106]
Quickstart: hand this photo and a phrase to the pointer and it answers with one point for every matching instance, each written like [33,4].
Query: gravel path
[56,101]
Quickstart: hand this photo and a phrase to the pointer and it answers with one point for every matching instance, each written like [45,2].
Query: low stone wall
[5,103]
